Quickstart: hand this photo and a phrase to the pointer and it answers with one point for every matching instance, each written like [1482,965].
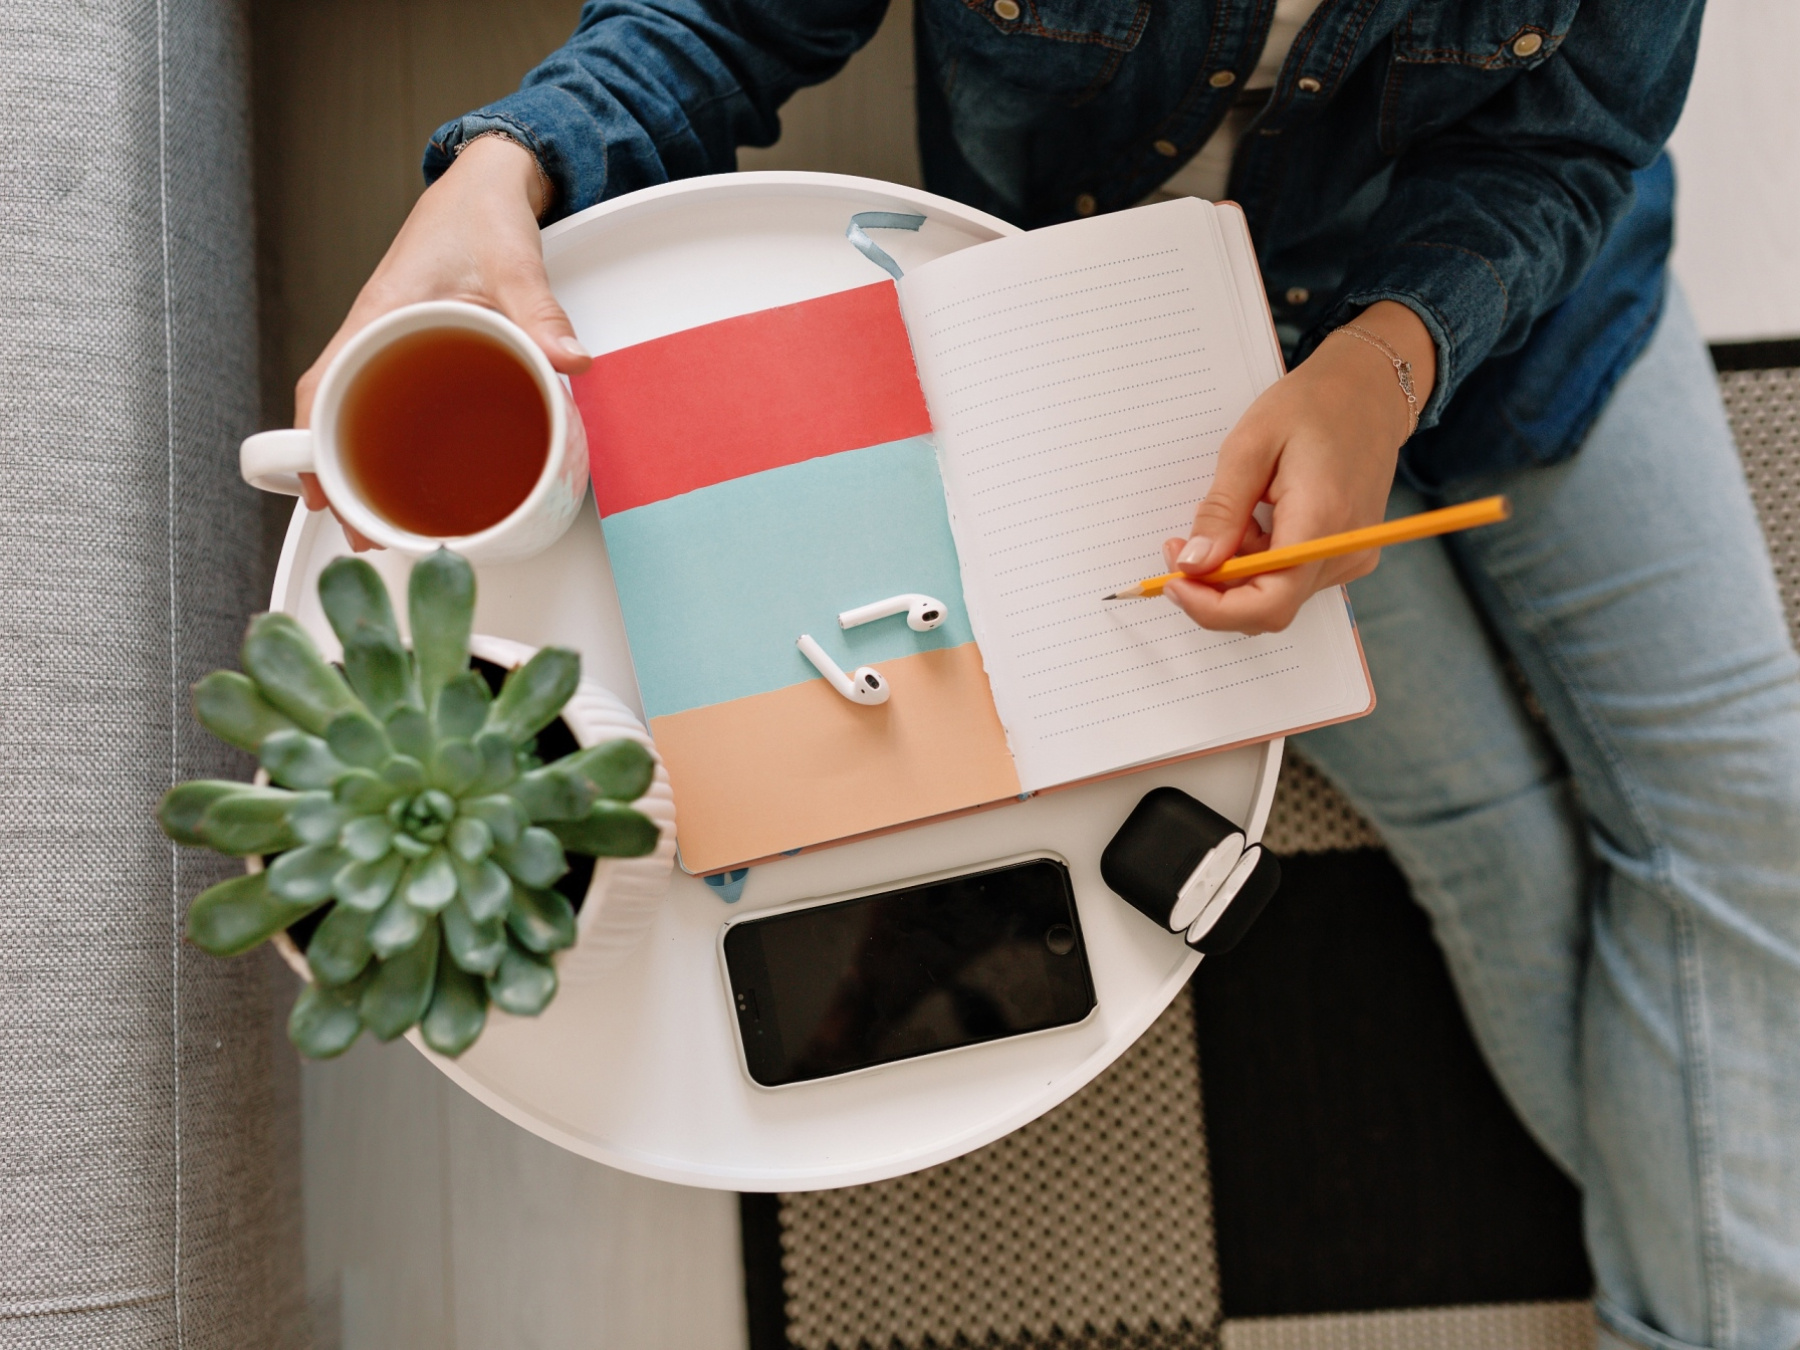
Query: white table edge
[298,542]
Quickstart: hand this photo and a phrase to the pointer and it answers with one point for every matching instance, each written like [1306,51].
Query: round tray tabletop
[639,1069]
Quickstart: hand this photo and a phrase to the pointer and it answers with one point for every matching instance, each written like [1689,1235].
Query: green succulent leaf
[182,807]
[297,760]
[504,817]
[458,1009]
[250,820]
[470,839]
[400,990]
[608,831]
[536,859]
[356,738]
[291,675]
[377,665]
[307,874]
[367,838]
[430,882]
[499,762]
[325,1021]
[404,772]
[235,915]
[554,793]
[474,944]
[382,675]
[439,805]
[462,706]
[363,792]
[316,818]
[441,602]
[410,848]
[484,886]
[523,984]
[228,705]
[339,950]
[396,926]
[367,885]
[620,770]
[456,767]
[410,731]
[355,597]
[535,693]
[425,816]
[542,921]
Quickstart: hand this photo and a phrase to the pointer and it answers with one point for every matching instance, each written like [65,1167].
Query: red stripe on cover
[742,395]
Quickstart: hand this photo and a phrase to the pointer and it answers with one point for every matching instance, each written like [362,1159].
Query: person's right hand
[472,236]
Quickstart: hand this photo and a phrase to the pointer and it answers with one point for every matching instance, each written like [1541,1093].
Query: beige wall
[1737,154]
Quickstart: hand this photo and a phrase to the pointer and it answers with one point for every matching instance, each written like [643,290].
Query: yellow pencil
[1486,511]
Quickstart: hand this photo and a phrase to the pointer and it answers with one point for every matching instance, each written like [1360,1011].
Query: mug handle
[274,460]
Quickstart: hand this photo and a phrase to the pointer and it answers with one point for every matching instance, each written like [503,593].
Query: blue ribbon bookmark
[729,885]
[879,220]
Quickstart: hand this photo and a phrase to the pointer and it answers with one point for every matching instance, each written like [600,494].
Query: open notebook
[1014,429]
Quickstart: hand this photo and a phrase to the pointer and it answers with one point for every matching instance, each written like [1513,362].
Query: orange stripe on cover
[741,395]
[802,765]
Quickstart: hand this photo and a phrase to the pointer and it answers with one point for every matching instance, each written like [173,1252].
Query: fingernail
[1196,551]
[570,347]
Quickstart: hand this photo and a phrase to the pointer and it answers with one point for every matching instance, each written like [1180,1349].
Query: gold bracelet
[1402,368]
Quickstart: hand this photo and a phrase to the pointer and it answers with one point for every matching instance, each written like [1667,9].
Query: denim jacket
[1472,159]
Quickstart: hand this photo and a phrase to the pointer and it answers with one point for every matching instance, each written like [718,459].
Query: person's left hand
[1320,445]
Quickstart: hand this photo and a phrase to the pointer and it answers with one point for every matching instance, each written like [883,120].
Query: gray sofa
[148,1161]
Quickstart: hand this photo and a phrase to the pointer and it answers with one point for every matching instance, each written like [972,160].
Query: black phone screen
[825,990]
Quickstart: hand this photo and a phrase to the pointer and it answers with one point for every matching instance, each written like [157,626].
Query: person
[1474,194]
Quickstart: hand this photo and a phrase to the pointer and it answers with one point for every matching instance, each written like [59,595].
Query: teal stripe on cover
[716,584]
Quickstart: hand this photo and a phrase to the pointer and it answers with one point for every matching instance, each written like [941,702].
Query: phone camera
[1060,939]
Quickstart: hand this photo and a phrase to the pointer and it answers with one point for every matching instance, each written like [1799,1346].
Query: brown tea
[444,433]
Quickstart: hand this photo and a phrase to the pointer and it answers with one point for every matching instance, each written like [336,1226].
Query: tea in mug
[444,432]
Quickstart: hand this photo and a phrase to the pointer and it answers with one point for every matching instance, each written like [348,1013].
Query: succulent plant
[407,801]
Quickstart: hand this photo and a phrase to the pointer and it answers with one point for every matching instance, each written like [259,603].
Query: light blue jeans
[1617,890]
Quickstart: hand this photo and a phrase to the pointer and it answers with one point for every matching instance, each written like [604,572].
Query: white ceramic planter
[623,897]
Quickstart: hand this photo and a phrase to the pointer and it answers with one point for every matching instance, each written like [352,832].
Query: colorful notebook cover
[755,477]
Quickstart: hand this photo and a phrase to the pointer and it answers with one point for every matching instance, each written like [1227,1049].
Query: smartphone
[836,986]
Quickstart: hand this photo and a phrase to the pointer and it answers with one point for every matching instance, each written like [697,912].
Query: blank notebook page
[1080,380]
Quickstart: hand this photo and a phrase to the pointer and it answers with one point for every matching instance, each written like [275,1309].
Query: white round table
[640,1070]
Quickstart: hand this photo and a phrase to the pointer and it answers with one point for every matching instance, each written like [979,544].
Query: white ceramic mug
[273,460]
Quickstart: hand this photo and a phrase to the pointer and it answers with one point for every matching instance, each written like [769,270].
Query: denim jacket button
[1007,9]
[1221,79]
[1528,44]
[1297,295]
[1085,205]
[1167,149]
[1306,84]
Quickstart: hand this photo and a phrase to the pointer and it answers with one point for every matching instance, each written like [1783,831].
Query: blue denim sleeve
[650,90]
[1491,222]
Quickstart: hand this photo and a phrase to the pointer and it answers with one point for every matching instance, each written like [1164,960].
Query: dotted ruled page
[1080,379]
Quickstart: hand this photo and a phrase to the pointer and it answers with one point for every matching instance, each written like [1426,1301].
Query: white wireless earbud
[863,685]
[922,612]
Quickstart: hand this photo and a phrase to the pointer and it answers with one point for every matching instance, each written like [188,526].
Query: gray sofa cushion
[147,1189]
